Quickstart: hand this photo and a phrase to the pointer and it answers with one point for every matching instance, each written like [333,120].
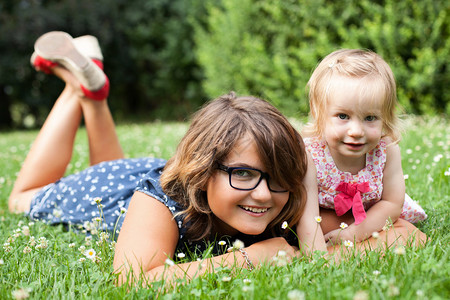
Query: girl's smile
[254,210]
[245,211]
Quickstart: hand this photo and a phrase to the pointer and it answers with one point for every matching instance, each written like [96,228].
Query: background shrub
[147,45]
[270,48]
[164,58]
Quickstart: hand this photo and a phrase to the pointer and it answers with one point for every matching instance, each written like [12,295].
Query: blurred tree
[147,45]
[24,91]
[162,72]
[269,48]
[163,56]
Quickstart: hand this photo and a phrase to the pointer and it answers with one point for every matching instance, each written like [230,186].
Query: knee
[19,202]
[410,232]
[13,203]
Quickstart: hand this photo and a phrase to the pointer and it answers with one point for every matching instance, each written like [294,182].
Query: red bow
[350,197]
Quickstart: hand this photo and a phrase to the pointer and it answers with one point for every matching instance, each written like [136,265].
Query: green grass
[59,272]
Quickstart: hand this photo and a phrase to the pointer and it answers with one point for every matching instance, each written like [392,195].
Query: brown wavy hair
[373,74]
[212,135]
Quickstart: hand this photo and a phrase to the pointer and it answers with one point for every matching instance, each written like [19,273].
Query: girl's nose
[262,192]
[355,129]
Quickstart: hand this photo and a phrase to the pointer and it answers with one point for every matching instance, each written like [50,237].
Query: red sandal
[81,56]
[86,44]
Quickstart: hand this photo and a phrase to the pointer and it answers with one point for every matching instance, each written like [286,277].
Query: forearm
[169,273]
[256,254]
[311,238]
[309,230]
[377,216]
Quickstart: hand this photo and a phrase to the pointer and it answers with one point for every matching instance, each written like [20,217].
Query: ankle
[98,95]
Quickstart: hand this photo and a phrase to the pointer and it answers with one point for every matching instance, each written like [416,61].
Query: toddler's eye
[371,118]
[342,116]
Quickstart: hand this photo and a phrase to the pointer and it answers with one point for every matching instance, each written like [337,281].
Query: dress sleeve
[151,186]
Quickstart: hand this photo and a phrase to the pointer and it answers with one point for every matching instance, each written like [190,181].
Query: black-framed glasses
[247,179]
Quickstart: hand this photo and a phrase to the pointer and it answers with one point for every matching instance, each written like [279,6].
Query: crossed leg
[52,150]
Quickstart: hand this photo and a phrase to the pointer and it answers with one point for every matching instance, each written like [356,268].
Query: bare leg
[104,144]
[401,233]
[52,150]
[331,221]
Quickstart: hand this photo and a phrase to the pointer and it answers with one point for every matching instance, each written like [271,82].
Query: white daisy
[348,244]
[90,253]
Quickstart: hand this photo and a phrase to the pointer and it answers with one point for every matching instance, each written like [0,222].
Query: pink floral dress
[330,180]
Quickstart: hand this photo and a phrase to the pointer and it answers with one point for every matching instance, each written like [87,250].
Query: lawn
[45,262]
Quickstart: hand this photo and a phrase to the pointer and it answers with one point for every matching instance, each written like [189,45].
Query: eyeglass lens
[248,179]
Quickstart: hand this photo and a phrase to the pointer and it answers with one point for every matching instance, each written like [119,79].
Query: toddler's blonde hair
[367,67]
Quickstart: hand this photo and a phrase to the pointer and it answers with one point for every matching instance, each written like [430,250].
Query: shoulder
[389,147]
[148,236]
[393,154]
[388,142]
[311,140]
[150,185]
[379,153]
[151,178]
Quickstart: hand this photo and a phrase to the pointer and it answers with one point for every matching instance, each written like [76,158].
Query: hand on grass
[338,236]
[265,251]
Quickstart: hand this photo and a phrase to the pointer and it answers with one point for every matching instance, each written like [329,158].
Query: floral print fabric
[329,177]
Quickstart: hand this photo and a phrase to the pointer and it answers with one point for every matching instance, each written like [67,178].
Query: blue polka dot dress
[98,196]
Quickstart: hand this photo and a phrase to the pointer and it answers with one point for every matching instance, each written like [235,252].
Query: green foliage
[23,90]
[147,46]
[163,56]
[162,75]
[270,48]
